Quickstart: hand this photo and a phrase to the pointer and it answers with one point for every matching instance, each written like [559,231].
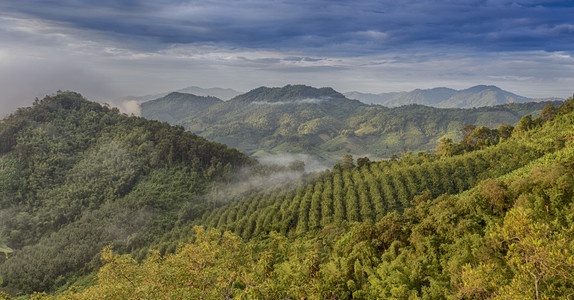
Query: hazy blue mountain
[221,93]
[477,96]
[482,95]
[372,98]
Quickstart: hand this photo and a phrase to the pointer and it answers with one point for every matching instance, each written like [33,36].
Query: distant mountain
[477,96]
[223,94]
[372,98]
[482,95]
[290,93]
[176,106]
[281,120]
[326,124]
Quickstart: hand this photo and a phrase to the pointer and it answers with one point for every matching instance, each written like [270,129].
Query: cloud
[109,49]
[325,26]
[130,107]
[26,77]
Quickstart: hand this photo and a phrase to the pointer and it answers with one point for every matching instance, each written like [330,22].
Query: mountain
[224,94]
[221,93]
[176,106]
[482,95]
[297,94]
[372,98]
[477,96]
[325,124]
[290,118]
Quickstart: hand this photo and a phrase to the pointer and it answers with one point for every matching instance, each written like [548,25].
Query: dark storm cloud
[340,27]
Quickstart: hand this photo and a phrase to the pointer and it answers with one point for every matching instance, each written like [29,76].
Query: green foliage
[76,175]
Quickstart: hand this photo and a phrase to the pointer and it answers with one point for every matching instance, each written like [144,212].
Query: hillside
[327,125]
[291,118]
[493,221]
[176,106]
[76,176]
[476,96]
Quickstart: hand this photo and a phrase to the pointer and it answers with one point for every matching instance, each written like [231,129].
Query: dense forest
[76,176]
[323,122]
[96,204]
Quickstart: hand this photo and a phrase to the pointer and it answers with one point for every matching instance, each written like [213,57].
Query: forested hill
[176,106]
[322,122]
[491,217]
[76,176]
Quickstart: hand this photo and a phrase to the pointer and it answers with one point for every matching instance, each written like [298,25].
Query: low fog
[296,102]
[312,163]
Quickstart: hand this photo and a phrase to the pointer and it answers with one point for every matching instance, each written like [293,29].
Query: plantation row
[359,194]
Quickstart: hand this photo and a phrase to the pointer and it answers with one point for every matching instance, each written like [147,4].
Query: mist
[128,107]
[312,163]
[296,102]
[253,183]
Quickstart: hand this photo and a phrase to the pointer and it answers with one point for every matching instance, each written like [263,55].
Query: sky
[110,49]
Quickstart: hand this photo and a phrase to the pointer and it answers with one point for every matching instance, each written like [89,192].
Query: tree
[297,166]
[505,131]
[348,162]
[5,249]
[539,254]
[525,124]
[361,161]
[548,113]
[447,147]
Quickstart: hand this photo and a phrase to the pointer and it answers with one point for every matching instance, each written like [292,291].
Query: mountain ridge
[442,97]
[288,93]
[324,123]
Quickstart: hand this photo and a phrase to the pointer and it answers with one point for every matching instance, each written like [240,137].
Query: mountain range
[476,96]
[323,122]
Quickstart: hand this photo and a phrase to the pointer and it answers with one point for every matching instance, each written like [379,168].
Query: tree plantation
[96,204]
